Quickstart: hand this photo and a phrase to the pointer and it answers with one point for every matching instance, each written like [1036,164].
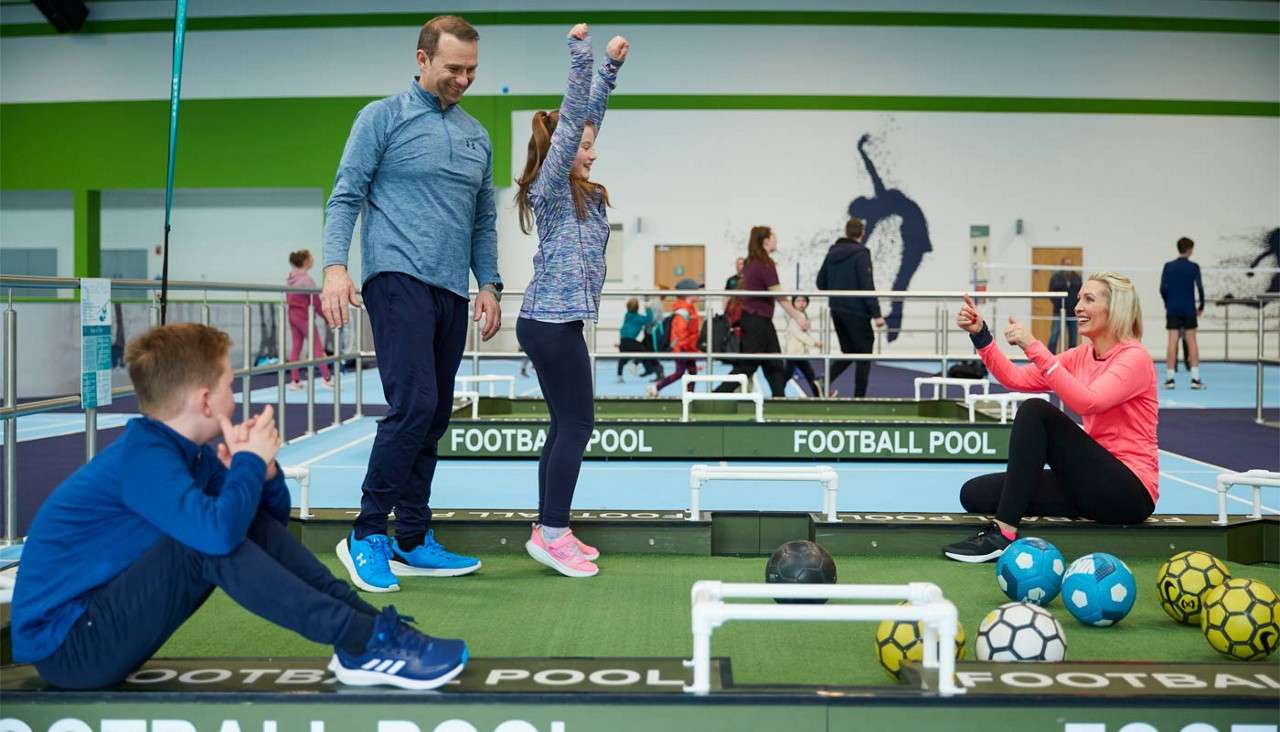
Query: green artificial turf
[639,606]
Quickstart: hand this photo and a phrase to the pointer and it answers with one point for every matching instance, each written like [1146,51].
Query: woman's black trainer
[984,546]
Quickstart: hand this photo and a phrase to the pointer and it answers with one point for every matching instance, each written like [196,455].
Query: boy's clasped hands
[257,435]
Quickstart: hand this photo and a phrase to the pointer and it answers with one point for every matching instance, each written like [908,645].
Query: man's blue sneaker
[430,560]
[366,561]
[400,655]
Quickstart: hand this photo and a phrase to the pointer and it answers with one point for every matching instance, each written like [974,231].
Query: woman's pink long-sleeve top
[1115,394]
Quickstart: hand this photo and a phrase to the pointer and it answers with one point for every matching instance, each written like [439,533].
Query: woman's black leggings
[559,354]
[759,336]
[1083,479]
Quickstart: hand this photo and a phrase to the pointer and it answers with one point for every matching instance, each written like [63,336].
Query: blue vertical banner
[95,342]
[175,93]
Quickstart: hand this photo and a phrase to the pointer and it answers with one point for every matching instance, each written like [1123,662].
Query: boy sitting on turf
[131,544]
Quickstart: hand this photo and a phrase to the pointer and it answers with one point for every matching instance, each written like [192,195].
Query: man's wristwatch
[495,289]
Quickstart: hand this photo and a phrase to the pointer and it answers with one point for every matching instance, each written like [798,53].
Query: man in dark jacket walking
[848,267]
[1068,281]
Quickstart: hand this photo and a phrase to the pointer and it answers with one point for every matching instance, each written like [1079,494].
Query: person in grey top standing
[417,169]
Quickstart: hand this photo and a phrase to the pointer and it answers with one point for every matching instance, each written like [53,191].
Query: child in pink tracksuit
[299,276]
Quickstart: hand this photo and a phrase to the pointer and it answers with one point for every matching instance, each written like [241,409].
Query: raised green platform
[813,429]
[625,694]
[751,533]
[506,530]
[1244,540]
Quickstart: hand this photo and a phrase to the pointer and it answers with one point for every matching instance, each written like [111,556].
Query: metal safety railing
[941,329]
[353,348]
[12,410]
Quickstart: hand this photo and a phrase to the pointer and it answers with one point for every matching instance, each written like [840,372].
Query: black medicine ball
[801,562]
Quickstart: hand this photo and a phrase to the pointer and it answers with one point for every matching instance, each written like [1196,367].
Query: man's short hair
[853,229]
[167,360]
[429,38]
[1185,245]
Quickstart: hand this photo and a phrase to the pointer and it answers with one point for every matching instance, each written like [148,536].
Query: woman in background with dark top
[758,333]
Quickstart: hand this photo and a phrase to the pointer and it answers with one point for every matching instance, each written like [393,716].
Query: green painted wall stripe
[296,142]
[88,238]
[691,17]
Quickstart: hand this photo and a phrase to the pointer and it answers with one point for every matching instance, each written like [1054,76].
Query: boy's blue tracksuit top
[149,484]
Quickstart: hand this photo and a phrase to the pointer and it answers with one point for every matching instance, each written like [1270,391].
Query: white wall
[123,9]
[681,59]
[225,235]
[39,219]
[1123,188]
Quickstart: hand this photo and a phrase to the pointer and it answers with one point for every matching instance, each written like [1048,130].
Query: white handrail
[469,397]
[303,476]
[940,382]
[1008,402]
[687,397]
[822,474]
[937,617]
[492,380]
[1256,479]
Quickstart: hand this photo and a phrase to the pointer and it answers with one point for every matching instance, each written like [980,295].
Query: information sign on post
[95,342]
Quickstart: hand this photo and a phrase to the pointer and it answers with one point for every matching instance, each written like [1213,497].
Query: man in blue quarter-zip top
[130,545]
[417,169]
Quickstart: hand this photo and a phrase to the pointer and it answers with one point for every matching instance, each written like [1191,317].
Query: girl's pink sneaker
[589,552]
[562,555]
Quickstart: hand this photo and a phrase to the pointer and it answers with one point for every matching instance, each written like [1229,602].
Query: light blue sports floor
[338,459]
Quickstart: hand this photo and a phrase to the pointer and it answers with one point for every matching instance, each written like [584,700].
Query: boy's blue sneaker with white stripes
[400,655]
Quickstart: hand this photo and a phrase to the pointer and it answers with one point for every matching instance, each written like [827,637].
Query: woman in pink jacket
[1106,471]
[300,276]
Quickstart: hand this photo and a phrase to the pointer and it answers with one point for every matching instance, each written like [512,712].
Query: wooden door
[1048,260]
[673,263]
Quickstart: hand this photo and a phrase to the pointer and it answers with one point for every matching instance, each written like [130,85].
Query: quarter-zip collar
[190,450]
[426,97]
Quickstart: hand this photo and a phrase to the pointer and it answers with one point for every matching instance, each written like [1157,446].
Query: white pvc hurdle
[1255,479]
[491,379]
[468,397]
[936,615]
[303,476]
[688,397]
[826,476]
[940,383]
[1008,402]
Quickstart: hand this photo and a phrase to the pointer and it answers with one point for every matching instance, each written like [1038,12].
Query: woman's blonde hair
[1124,311]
